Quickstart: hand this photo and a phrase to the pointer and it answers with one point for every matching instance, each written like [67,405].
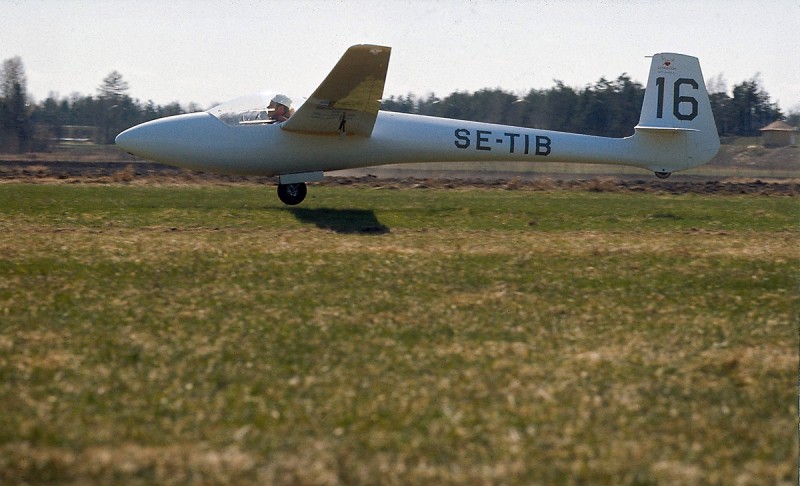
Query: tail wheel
[292,194]
[663,175]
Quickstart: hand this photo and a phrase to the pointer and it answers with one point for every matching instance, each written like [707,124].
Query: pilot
[279,108]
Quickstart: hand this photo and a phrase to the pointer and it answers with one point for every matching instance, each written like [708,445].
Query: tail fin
[676,127]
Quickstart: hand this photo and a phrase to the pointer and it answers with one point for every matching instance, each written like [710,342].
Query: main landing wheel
[292,194]
[663,175]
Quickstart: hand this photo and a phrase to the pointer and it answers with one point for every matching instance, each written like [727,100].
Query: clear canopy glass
[256,109]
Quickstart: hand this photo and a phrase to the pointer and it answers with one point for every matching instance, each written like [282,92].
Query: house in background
[779,134]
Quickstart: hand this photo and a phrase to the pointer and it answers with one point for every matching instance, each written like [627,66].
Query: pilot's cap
[282,100]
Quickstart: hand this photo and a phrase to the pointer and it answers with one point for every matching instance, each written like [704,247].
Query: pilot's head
[281,100]
[279,107]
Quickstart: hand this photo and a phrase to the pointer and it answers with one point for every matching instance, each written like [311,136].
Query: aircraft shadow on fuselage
[346,221]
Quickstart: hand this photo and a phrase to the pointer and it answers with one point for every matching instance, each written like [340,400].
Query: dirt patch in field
[752,154]
[140,173]
[597,184]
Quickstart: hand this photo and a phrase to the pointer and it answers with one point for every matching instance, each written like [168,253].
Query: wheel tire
[663,175]
[292,194]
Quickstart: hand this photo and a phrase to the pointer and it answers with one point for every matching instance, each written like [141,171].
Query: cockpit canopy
[256,109]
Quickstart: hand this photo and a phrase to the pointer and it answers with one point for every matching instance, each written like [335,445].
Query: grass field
[209,335]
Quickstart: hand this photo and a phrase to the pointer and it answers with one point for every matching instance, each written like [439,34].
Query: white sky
[205,51]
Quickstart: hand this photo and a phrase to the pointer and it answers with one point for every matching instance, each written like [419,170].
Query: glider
[340,126]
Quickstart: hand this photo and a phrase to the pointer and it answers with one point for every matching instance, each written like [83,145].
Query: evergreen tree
[16,126]
[724,115]
[752,107]
[115,106]
[559,104]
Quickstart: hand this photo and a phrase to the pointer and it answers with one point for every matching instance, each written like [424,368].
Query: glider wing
[347,101]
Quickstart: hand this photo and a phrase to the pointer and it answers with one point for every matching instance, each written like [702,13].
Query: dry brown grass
[189,339]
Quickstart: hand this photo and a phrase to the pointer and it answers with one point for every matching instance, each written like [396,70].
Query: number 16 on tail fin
[676,129]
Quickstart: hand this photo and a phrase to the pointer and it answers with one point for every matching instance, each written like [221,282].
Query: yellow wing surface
[348,100]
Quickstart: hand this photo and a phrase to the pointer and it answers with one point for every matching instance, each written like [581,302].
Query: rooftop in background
[779,126]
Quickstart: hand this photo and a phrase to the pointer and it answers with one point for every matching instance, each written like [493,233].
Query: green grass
[206,335]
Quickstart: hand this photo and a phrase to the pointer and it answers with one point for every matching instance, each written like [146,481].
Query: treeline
[606,107]
[26,125]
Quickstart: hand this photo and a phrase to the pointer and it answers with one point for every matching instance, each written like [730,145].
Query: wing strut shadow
[346,221]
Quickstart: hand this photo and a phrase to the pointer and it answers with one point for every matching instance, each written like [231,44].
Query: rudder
[676,124]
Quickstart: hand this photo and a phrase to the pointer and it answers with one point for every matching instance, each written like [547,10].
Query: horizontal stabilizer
[665,129]
[348,100]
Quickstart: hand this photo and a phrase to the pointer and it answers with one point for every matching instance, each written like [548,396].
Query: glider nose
[174,139]
[129,140]
[147,139]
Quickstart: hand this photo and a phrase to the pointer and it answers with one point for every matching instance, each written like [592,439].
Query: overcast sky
[206,51]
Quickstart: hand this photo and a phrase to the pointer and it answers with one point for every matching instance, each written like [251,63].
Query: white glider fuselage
[200,141]
[340,127]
